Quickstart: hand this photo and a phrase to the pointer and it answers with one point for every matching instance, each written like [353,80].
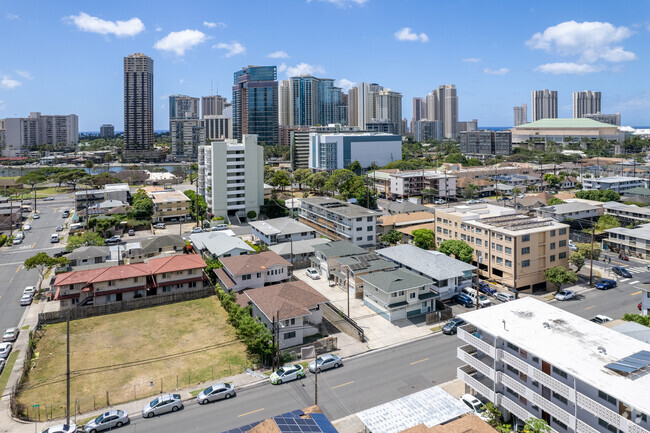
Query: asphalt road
[13,276]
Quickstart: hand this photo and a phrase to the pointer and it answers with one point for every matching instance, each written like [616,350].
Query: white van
[75,226]
[471,292]
[219,227]
[54,238]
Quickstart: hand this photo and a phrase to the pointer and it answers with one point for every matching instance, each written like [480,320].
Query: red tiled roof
[247,264]
[288,300]
[176,263]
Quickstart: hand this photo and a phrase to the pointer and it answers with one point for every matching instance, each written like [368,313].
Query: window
[412,295]
[369,219]
[439,230]
[559,372]
[525,263]
[509,391]
[369,228]
[562,231]
[359,219]
[535,359]
[289,335]
[478,230]
[560,423]
[136,279]
[463,237]
[559,397]
[552,257]
[111,298]
[499,248]
[552,245]
[509,263]
[605,424]
[608,398]
[552,233]
[167,289]
[479,242]
[562,256]
[512,346]
[508,250]
[246,277]
[370,238]
[191,284]
[359,238]
[359,229]
[525,250]
[499,260]
[562,244]
[525,238]
[259,275]
[512,369]
[111,283]
[508,239]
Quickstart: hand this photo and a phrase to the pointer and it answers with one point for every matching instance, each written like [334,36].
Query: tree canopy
[598,195]
[424,238]
[88,238]
[559,275]
[142,207]
[42,262]
[459,249]
[392,237]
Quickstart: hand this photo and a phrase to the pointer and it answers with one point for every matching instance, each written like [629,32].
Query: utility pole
[67,370]
[278,339]
[347,284]
[591,268]
[87,216]
[11,214]
[273,345]
[197,198]
[316,378]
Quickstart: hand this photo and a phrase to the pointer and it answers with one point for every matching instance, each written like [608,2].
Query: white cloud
[278,55]
[344,3]
[304,68]
[568,68]
[472,60]
[232,48]
[500,71]
[282,67]
[25,74]
[2,104]
[590,41]
[159,29]
[11,16]
[179,42]
[213,24]
[181,81]
[9,83]
[345,84]
[87,23]
[407,34]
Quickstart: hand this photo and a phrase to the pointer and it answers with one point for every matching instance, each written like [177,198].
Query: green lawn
[6,372]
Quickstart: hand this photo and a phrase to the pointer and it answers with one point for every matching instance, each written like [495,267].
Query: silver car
[216,392]
[325,362]
[312,273]
[11,334]
[5,350]
[107,421]
[29,290]
[62,428]
[163,404]
[26,300]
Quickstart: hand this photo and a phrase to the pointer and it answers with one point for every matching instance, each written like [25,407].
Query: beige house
[169,205]
[512,249]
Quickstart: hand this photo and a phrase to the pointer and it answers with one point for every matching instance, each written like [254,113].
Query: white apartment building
[340,220]
[22,134]
[414,183]
[534,360]
[333,151]
[231,176]
[615,183]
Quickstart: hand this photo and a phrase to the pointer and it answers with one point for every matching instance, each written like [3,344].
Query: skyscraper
[353,106]
[106,131]
[442,104]
[389,109]
[521,114]
[212,105]
[255,104]
[419,110]
[587,102]
[285,108]
[544,104]
[310,101]
[138,106]
[185,128]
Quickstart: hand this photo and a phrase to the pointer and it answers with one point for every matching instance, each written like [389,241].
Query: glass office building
[255,104]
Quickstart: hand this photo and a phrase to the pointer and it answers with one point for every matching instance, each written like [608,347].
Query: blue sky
[66,57]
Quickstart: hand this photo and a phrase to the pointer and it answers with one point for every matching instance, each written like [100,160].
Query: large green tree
[577,260]
[607,222]
[203,206]
[300,176]
[459,249]
[392,237]
[471,191]
[424,238]
[317,181]
[42,262]
[142,209]
[536,425]
[281,179]
[338,179]
[86,239]
[585,251]
[559,275]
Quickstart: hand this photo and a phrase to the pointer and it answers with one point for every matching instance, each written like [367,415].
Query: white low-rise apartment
[534,360]
[278,230]
[340,220]
[231,176]
[415,183]
[627,212]
[632,242]
[570,211]
[615,183]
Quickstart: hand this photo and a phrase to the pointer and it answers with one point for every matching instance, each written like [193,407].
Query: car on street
[36,216]
[17,241]
[605,284]
[619,270]
[59,228]
[287,373]
[216,392]
[10,335]
[29,290]
[26,300]
[131,232]
[439,201]
[107,421]
[565,295]
[113,240]
[62,428]
[60,254]
[27,227]
[65,214]
[472,201]
[504,296]
[464,300]
[50,198]
[572,246]
[474,404]
[163,404]
[601,319]
[5,350]
[220,227]
[451,327]
[325,362]
[196,230]
[486,288]
[312,273]
[159,226]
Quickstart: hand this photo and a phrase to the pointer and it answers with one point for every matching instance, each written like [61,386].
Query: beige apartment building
[169,205]
[509,248]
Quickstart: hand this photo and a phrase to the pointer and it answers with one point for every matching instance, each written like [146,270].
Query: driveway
[379,331]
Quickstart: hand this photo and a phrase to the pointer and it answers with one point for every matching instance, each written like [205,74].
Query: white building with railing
[534,360]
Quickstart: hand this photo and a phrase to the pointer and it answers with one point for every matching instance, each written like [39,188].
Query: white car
[18,241]
[29,290]
[287,373]
[5,350]
[26,300]
[216,392]
[27,227]
[504,296]
[312,273]
[565,295]
[37,216]
[10,334]
[600,319]
[163,404]
[474,404]
[62,428]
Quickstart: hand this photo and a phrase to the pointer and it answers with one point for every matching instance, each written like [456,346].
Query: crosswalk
[637,269]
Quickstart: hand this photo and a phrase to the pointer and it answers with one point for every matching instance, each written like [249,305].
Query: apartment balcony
[515,361]
[514,385]
[552,383]
[512,407]
[476,381]
[584,428]
[480,361]
[553,409]
[623,424]
[467,334]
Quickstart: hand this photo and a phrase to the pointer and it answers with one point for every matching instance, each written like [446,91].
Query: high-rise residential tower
[442,105]
[24,134]
[212,105]
[543,104]
[587,102]
[138,106]
[521,114]
[419,110]
[185,128]
[255,104]
[106,131]
[389,109]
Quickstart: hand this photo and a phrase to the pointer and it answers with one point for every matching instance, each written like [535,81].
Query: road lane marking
[33,245]
[19,266]
[417,362]
[635,293]
[634,282]
[343,384]
[248,413]
[589,308]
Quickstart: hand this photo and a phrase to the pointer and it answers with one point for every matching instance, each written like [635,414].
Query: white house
[254,270]
[278,230]
[219,244]
[570,211]
[615,183]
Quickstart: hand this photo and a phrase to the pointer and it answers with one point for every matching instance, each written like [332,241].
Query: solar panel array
[631,364]
[289,415]
[243,429]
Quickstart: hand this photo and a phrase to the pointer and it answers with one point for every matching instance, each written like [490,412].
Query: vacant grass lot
[131,355]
